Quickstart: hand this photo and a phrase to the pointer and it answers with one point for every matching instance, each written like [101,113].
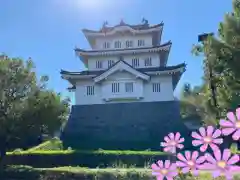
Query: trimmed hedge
[91,159]
[75,173]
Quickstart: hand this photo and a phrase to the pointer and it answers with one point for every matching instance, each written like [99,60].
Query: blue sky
[49,30]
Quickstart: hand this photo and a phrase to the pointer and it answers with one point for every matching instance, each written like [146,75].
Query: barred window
[129,44]
[117,44]
[106,45]
[129,87]
[148,61]
[156,87]
[90,90]
[141,43]
[110,63]
[98,64]
[135,62]
[115,87]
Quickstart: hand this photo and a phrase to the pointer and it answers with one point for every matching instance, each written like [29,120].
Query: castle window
[129,44]
[156,87]
[115,87]
[110,63]
[129,87]
[98,64]
[148,61]
[90,90]
[135,62]
[117,44]
[141,43]
[106,45]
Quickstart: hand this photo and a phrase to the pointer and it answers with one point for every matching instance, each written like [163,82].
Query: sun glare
[92,4]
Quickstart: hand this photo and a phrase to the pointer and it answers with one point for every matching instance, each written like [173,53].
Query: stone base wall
[136,126]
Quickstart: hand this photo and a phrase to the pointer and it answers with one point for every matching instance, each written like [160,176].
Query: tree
[223,54]
[27,109]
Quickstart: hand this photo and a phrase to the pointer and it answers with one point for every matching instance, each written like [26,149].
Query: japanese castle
[127,88]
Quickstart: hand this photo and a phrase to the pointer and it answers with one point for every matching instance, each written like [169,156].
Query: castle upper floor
[124,36]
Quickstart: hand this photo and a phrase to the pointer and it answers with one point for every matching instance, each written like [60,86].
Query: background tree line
[28,110]
[222,52]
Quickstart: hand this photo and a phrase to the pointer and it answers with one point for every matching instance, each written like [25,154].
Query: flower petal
[217,133]
[181,140]
[167,149]
[197,142]
[204,147]
[217,154]
[216,173]
[160,164]
[207,166]
[195,172]
[185,170]
[167,164]
[195,155]
[236,135]
[226,154]
[201,160]
[202,131]
[214,147]
[196,135]
[225,123]
[238,113]
[177,136]
[181,164]
[210,130]
[181,157]
[188,155]
[166,138]
[171,136]
[163,144]
[218,141]
[156,173]
[228,131]
[172,174]
[210,159]
[233,160]
[231,116]
[160,177]
[180,146]
[155,167]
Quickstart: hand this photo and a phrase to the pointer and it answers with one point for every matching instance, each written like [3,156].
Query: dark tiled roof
[126,49]
[136,125]
[142,70]
[144,26]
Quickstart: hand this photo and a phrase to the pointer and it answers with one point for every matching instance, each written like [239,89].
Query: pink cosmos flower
[172,142]
[191,162]
[232,125]
[164,170]
[207,137]
[222,164]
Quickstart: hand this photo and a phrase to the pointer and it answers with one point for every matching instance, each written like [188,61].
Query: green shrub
[91,159]
[76,173]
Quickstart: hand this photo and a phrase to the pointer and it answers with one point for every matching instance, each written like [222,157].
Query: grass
[114,173]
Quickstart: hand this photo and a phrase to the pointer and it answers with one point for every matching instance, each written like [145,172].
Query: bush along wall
[91,159]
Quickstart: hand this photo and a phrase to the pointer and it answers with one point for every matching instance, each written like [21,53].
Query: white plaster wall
[142,89]
[123,38]
[128,58]
[166,93]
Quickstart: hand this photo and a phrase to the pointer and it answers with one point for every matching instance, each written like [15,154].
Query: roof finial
[122,22]
[144,21]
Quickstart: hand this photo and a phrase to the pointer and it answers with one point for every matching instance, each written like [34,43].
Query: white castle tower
[127,63]
[126,71]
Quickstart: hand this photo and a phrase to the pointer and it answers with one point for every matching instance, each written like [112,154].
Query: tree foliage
[222,53]
[27,109]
